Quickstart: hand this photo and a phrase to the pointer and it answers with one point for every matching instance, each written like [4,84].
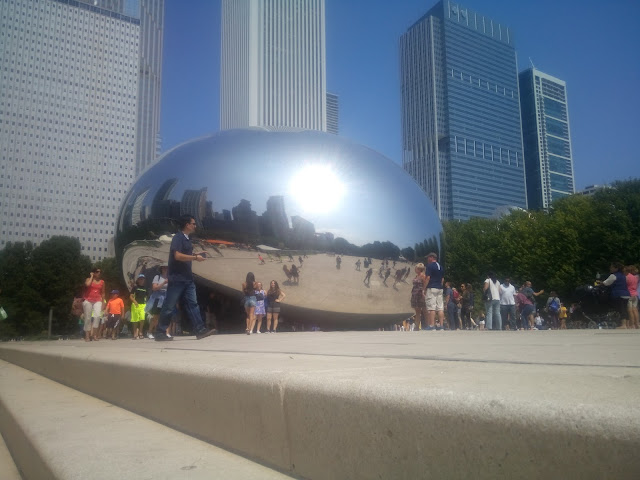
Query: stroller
[593,308]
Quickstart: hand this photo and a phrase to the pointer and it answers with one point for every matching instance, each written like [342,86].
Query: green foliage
[557,250]
[36,279]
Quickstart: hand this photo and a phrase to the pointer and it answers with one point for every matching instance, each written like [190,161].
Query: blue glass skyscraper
[547,142]
[462,136]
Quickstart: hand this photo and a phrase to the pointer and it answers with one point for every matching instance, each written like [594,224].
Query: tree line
[558,249]
[34,280]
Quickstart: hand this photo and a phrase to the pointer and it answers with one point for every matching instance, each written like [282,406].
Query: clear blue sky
[593,45]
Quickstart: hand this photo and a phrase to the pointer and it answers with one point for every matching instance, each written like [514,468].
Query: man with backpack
[553,309]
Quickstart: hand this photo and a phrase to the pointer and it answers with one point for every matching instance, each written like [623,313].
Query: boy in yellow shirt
[562,316]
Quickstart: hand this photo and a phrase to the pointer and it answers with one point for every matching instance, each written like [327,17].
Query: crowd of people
[159,310]
[438,305]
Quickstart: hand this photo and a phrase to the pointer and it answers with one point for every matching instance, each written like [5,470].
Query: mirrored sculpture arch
[268,201]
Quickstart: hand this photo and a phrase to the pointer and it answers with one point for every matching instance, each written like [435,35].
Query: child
[115,309]
[538,322]
[562,315]
[138,303]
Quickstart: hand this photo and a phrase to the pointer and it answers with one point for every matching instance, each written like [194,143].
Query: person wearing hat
[115,309]
[138,303]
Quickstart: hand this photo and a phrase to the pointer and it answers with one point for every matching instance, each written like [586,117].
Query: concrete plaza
[379,404]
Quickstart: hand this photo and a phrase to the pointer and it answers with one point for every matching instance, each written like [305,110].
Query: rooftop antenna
[531,62]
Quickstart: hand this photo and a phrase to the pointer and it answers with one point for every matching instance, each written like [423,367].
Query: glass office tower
[272,65]
[547,141]
[462,137]
[72,88]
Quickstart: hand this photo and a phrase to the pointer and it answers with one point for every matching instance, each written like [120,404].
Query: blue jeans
[509,311]
[492,309]
[451,315]
[526,311]
[187,292]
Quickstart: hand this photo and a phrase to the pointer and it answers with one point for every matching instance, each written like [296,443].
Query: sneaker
[205,333]
[150,336]
[170,336]
[258,331]
[162,337]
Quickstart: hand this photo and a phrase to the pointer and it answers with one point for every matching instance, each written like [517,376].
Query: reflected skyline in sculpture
[317,193]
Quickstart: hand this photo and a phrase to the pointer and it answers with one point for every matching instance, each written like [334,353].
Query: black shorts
[155,310]
[113,319]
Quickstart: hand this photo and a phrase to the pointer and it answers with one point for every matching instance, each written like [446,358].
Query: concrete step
[55,432]
[363,405]
[8,468]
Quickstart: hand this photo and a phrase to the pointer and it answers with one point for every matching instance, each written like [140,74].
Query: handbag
[486,295]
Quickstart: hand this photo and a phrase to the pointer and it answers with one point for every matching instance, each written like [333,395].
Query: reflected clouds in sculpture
[290,192]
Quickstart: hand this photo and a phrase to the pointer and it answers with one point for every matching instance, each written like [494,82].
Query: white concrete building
[69,109]
[273,64]
[149,143]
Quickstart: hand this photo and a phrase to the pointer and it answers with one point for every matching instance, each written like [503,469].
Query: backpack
[554,306]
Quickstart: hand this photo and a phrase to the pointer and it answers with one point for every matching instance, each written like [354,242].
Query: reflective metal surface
[287,196]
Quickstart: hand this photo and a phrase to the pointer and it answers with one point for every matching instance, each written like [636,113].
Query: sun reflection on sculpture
[317,188]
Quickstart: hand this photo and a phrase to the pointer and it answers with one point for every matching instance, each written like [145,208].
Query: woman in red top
[92,305]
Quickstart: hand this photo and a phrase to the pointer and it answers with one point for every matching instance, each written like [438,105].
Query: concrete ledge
[358,418]
[8,469]
[55,432]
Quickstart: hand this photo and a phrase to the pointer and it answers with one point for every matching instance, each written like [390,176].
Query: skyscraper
[333,114]
[273,64]
[71,92]
[149,82]
[461,132]
[546,138]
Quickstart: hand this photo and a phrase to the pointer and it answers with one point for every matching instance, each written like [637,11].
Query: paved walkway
[372,404]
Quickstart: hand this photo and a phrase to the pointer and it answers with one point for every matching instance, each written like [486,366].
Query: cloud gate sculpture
[265,201]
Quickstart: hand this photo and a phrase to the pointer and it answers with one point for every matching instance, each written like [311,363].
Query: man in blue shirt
[435,302]
[181,285]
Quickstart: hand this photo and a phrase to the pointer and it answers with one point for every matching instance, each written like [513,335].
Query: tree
[34,280]
[20,298]
[556,250]
[60,272]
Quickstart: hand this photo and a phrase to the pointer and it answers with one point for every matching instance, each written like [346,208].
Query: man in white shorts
[434,300]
